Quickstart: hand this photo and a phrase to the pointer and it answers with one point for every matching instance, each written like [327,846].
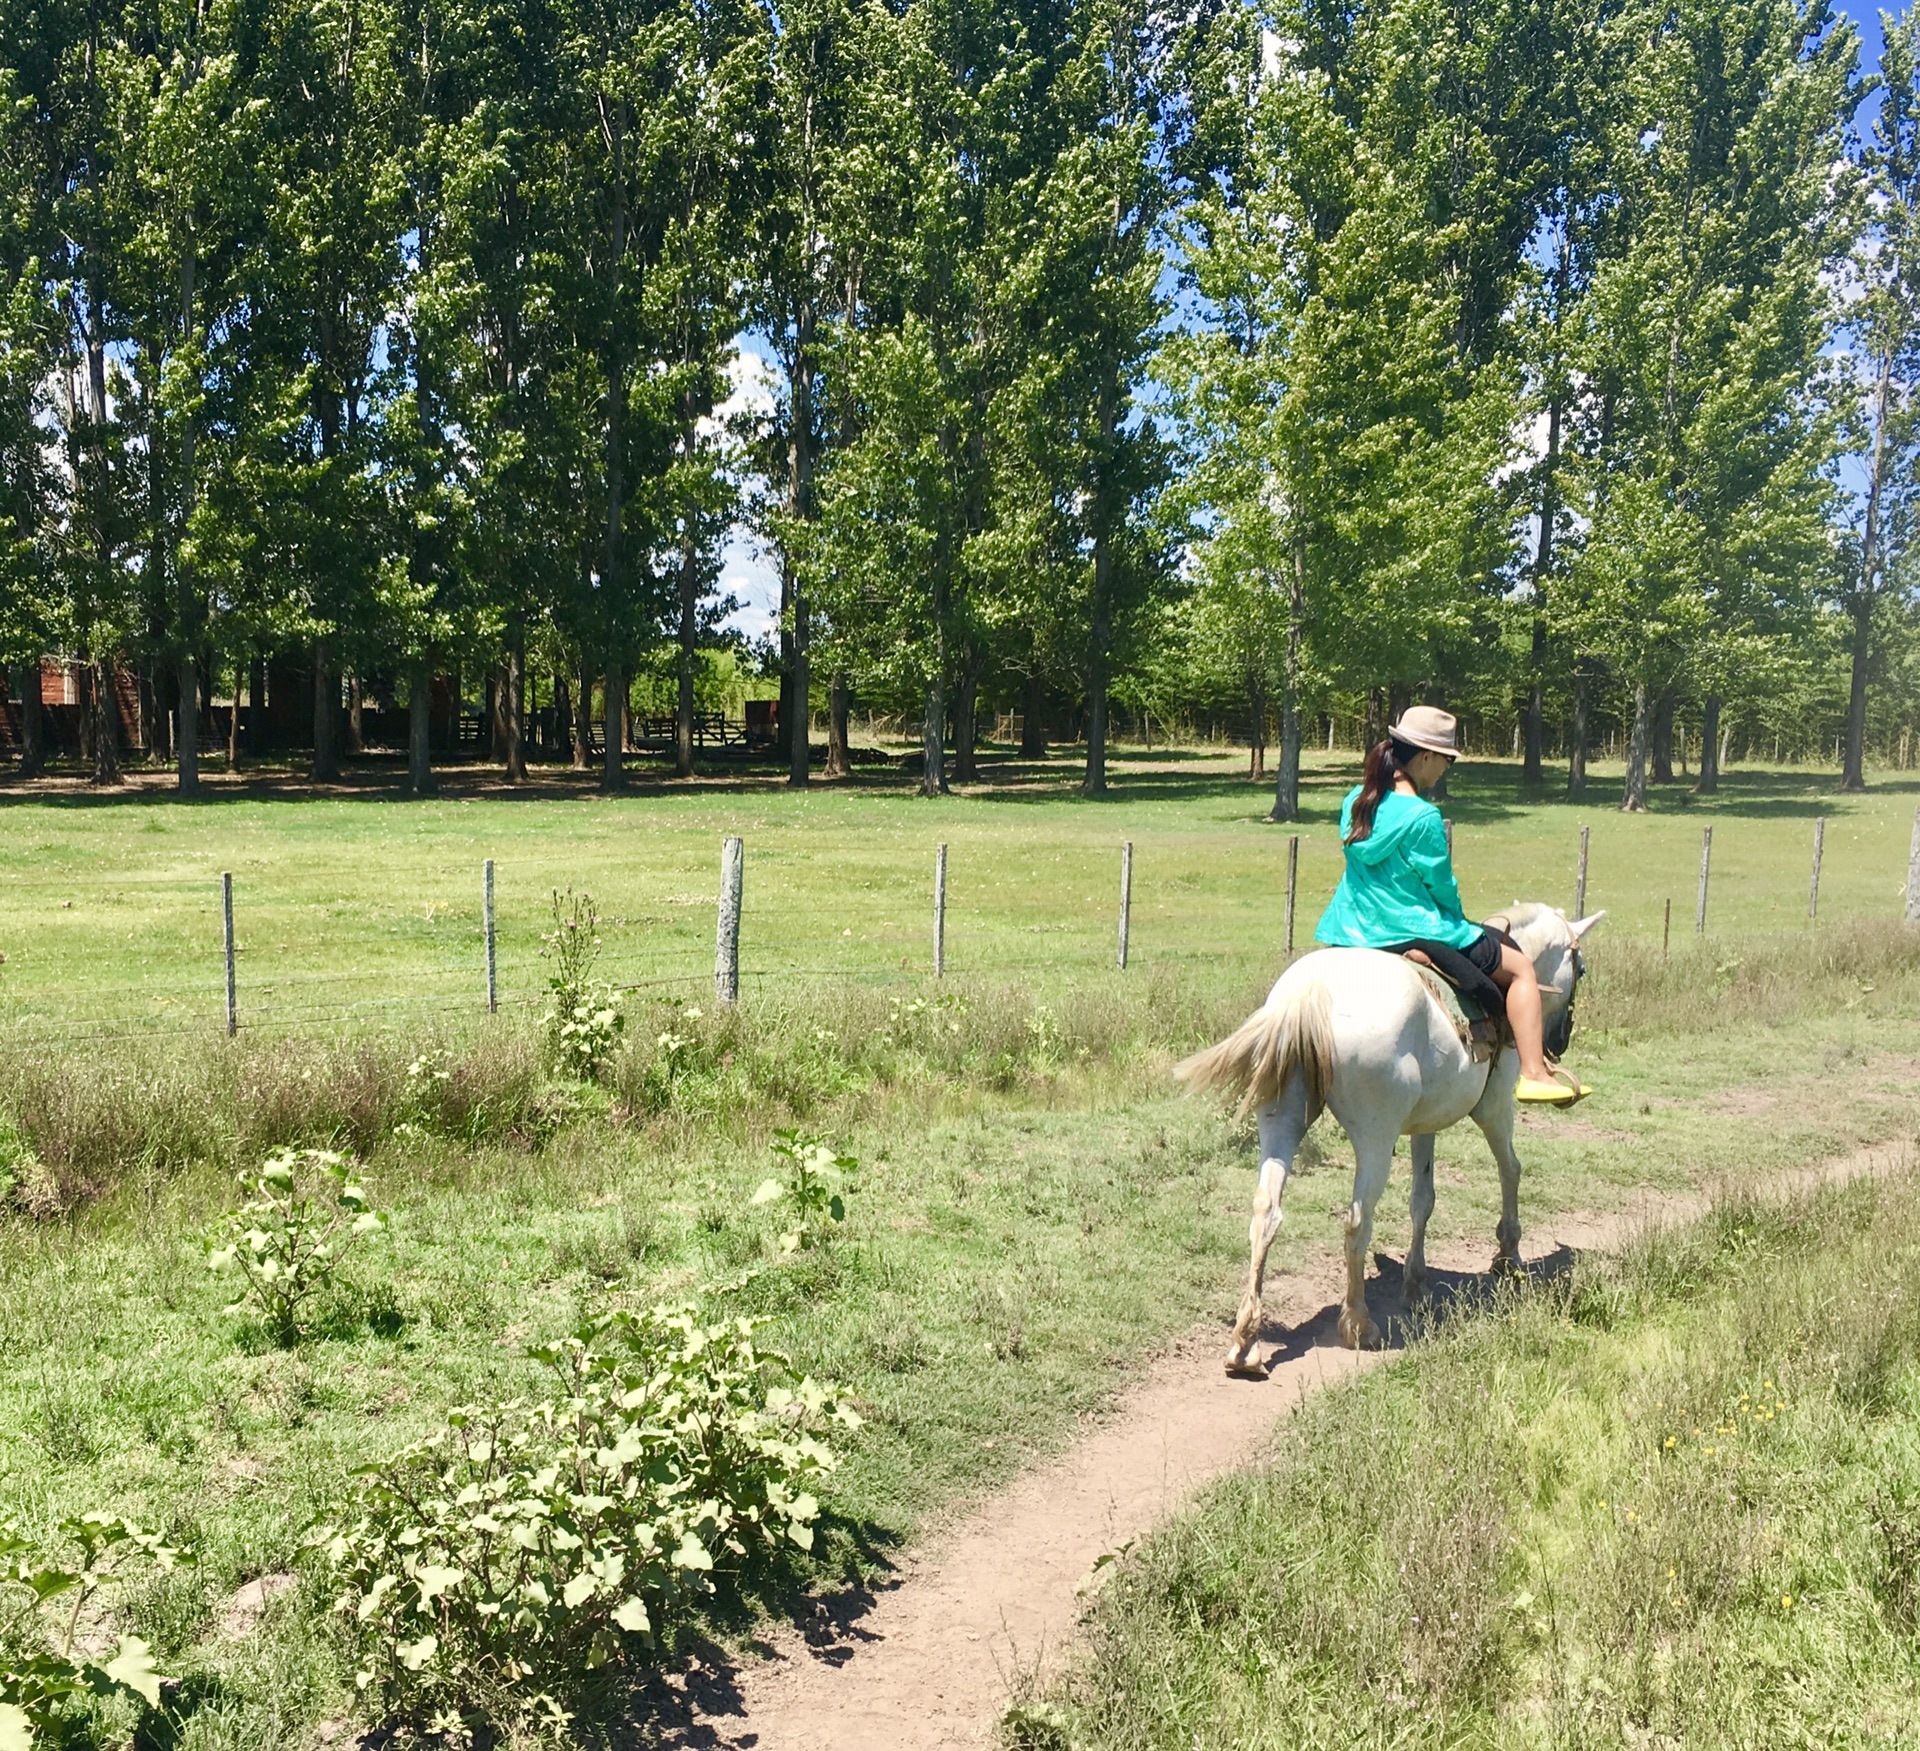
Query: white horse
[1358,1030]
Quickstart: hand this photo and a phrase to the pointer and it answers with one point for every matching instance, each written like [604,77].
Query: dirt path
[929,1662]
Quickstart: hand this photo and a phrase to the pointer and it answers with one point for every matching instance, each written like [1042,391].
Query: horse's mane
[1527,920]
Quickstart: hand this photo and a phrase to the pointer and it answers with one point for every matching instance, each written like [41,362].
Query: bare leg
[1521,984]
[1372,1164]
[1282,1126]
[1414,1284]
[1496,1125]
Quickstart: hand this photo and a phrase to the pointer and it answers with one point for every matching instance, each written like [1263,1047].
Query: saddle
[1482,1034]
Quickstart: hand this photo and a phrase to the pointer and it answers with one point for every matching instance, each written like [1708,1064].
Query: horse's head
[1551,940]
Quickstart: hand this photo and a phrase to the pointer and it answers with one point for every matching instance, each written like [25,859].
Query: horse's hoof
[1506,1264]
[1244,1368]
[1359,1334]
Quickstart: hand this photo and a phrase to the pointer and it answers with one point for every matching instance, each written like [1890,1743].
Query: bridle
[1560,1035]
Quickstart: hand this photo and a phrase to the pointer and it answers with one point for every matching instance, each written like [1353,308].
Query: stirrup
[1562,1089]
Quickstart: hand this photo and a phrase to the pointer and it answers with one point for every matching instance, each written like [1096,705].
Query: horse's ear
[1580,926]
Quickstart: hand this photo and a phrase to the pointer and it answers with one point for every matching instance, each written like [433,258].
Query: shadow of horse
[1452,1296]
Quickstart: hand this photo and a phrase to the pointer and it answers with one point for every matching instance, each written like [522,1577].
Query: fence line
[274,1004]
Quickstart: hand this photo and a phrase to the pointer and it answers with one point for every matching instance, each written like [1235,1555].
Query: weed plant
[1668,1499]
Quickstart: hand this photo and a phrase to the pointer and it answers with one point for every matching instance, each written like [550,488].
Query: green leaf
[16,1731]
[434,1580]
[692,1554]
[132,1668]
[770,1190]
[414,1655]
[578,1591]
[631,1616]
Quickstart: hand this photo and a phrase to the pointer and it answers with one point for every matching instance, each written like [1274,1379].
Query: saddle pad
[1479,1034]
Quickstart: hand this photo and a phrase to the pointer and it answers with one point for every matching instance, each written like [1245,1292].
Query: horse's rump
[1292,1032]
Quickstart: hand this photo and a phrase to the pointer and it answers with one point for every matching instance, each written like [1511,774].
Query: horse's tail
[1292,1035]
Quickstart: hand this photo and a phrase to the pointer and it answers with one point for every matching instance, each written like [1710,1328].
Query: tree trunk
[838,766]
[562,714]
[1286,789]
[1577,739]
[583,721]
[513,695]
[1709,780]
[1633,799]
[103,712]
[187,734]
[233,716]
[1095,782]
[966,725]
[1853,771]
[1033,717]
[326,707]
[25,681]
[799,735]
[689,629]
[799,507]
[1257,740]
[257,707]
[356,724]
[1661,751]
[933,735]
[613,772]
[420,727]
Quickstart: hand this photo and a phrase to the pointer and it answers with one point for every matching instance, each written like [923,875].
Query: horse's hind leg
[1282,1126]
[1414,1283]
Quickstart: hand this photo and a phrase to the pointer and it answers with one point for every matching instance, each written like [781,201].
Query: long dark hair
[1386,761]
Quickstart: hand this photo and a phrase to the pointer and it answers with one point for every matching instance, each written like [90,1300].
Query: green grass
[1034,1210]
[1669,1499]
[361,909]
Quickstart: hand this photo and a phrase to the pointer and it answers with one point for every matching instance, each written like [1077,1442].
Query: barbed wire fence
[315,1002]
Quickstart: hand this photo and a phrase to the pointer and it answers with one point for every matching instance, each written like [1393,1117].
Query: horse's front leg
[1495,1115]
[1372,1166]
[1414,1283]
[1282,1126]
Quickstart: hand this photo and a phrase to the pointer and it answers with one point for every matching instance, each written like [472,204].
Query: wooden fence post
[1913,874]
[226,908]
[1126,898]
[1706,861]
[486,906]
[1580,877]
[1449,827]
[726,942]
[940,910]
[1819,844]
[1293,886]
[1666,929]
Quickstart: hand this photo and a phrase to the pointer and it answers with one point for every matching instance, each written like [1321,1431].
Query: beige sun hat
[1428,727]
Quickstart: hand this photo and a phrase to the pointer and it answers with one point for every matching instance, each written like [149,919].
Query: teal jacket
[1399,883]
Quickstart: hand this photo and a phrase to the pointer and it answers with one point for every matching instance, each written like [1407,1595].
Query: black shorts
[1485,953]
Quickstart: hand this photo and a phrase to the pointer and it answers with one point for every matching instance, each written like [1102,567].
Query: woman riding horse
[1399,891]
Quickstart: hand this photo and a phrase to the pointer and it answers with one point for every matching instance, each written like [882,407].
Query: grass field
[1033,1211]
[1668,1500]
[362,907]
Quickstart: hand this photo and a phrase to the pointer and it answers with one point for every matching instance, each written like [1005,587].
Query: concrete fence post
[726,941]
[1913,873]
[486,908]
[1706,864]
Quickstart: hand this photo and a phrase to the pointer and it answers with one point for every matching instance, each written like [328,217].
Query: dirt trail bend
[929,1667]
